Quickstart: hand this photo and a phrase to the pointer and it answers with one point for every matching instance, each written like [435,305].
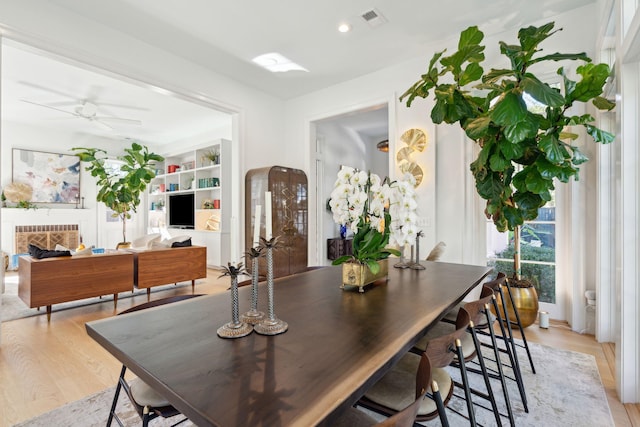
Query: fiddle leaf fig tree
[120,188]
[522,150]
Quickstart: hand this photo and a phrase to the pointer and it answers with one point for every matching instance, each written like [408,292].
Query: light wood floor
[46,365]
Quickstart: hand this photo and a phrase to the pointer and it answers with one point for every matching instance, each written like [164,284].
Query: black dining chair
[472,350]
[424,384]
[500,316]
[396,388]
[148,403]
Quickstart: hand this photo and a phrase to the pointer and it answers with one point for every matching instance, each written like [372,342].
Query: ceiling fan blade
[52,108]
[101,124]
[47,89]
[100,104]
[119,119]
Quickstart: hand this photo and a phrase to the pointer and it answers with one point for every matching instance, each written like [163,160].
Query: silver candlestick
[235,328]
[270,325]
[253,316]
[403,263]
[416,264]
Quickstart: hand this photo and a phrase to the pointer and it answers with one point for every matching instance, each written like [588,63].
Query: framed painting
[54,177]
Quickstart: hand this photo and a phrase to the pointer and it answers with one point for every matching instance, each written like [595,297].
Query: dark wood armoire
[290,219]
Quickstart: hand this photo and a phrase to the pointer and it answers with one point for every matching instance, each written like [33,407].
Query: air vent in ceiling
[373,17]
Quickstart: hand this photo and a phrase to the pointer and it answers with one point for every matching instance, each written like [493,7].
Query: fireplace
[46,236]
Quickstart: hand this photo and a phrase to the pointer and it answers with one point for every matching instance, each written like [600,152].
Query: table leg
[48,313]
[148,294]
[115,301]
[193,286]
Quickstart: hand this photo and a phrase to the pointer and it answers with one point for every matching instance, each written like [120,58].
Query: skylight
[277,63]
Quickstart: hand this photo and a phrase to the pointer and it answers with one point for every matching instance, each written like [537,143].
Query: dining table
[338,343]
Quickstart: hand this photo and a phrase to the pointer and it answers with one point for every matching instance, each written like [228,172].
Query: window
[537,251]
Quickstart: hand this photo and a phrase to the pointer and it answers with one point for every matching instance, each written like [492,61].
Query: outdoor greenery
[543,276]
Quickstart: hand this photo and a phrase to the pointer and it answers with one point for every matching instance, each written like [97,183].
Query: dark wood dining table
[339,343]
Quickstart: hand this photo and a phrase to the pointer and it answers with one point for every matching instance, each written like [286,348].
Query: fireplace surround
[45,236]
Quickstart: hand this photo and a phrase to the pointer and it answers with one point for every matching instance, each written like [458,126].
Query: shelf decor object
[270,325]
[416,264]
[235,328]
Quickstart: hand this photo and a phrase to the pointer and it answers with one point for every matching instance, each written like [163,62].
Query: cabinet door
[288,189]
[289,194]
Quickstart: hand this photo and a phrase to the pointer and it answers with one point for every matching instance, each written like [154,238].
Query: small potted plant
[212,156]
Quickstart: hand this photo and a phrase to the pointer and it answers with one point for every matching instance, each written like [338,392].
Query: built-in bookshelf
[191,193]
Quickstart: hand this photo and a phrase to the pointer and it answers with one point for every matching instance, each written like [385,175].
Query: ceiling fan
[89,111]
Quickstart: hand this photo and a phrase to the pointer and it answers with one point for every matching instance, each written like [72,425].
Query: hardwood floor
[46,365]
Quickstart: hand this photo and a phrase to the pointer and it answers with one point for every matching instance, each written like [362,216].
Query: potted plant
[376,211]
[120,189]
[522,151]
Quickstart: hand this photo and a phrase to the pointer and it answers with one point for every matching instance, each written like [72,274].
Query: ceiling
[224,36]
[131,111]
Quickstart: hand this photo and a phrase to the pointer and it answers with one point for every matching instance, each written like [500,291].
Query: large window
[537,251]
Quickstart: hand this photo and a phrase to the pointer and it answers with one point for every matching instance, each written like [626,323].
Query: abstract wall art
[54,177]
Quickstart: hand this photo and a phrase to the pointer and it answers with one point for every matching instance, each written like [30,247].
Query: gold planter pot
[526,301]
[356,274]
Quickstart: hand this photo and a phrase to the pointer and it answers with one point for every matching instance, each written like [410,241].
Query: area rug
[565,391]
[14,308]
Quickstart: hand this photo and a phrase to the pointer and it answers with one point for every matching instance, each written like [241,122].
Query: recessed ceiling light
[344,27]
[277,63]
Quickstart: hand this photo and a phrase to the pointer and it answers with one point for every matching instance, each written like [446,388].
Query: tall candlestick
[267,202]
[256,226]
[232,236]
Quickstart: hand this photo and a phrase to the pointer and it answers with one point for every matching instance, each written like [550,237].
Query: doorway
[358,139]
[54,103]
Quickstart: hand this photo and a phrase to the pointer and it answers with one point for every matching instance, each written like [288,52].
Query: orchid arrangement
[377,211]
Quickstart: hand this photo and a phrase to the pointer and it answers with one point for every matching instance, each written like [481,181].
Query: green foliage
[26,205]
[543,276]
[120,190]
[369,246]
[491,110]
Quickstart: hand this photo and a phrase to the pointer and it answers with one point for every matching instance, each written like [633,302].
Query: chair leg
[116,395]
[519,323]
[501,375]
[439,404]
[145,416]
[510,349]
[485,375]
[465,384]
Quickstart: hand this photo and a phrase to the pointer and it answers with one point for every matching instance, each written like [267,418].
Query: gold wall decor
[416,140]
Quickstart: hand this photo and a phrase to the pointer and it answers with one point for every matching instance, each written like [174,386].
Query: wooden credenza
[44,282]
[161,266]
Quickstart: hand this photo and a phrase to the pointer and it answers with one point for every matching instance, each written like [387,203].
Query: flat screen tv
[181,211]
